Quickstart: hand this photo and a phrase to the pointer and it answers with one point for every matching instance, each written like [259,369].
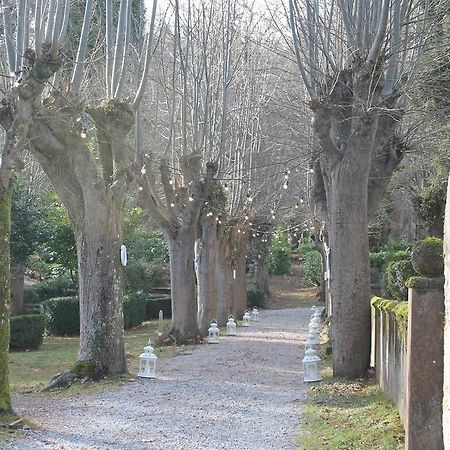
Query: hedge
[381,259]
[394,278]
[133,310]
[313,269]
[63,316]
[256,297]
[27,332]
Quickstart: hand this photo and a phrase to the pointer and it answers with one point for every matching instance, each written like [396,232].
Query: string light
[172,205]
[191,198]
[143,170]
[302,200]
[170,181]
[226,188]
[285,185]
[311,170]
[140,188]
[296,205]
[249,197]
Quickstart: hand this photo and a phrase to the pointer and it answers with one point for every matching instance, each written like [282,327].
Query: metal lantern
[312,340]
[311,366]
[255,314]
[231,326]
[246,319]
[147,362]
[213,333]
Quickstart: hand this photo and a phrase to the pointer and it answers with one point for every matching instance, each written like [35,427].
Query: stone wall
[389,349]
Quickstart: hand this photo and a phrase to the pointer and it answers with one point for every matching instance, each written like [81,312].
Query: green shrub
[305,247]
[381,259]
[63,316]
[256,297]
[313,267]
[394,279]
[142,275]
[279,260]
[61,286]
[27,332]
[134,306]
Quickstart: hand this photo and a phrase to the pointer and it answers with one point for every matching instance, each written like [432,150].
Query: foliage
[63,316]
[305,247]
[382,258]
[148,257]
[256,297]
[60,246]
[27,332]
[133,311]
[62,286]
[398,309]
[313,267]
[28,223]
[394,278]
[141,275]
[280,253]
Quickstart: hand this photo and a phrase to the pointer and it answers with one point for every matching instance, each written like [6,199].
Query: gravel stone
[245,393]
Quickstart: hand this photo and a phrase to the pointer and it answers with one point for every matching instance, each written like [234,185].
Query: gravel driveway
[244,393]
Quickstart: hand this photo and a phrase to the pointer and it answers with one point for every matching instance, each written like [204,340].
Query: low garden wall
[389,355]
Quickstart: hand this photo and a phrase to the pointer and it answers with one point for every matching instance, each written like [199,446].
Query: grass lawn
[349,415]
[31,370]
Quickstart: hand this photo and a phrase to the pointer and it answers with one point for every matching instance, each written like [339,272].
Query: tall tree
[30,71]
[356,59]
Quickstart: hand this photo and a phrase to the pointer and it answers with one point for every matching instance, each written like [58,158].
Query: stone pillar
[424,388]
[446,403]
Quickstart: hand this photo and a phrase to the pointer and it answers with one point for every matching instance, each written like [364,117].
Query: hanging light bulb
[170,181]
[296,205]
[226,188]
[83,133]
[249,197]
[285,185]
[191,198]
[311,170]
[172,205]
[302,200]
[140,188]
[286,176]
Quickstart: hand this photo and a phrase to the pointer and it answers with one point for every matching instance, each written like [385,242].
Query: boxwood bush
[133,310]
[61,286]
[394,279]
[27,332]
[63,316]
[312,264]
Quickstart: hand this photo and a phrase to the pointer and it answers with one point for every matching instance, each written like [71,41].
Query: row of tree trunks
[5,230]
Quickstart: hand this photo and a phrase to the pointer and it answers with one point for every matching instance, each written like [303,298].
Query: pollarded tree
[356,59]
[90,172]
[30,71]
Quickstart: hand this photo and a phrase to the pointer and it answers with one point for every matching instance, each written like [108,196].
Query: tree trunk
[350,285]
[101,290]
[207,252]
[182,281]
[262,275]
[17,289]
[224,279]
[5,232]
[239,286]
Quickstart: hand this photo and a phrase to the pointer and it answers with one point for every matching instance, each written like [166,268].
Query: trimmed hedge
[313,269]
[394,278]
[63,316]
[62,286]
[27,332]
[381,259]
[133,310]
[256,297]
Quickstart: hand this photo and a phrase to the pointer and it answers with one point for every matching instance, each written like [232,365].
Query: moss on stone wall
[399,310]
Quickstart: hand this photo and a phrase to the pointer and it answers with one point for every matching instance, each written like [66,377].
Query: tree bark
[350,288]
[5,232]
[262,274]
[224,278]
[17,289]
[182,281]
[239,290]
[101,289]
[207,252]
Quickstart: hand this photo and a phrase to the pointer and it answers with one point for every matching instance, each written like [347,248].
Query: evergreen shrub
[63,316]
[394,278]
[27,331]
[312,264]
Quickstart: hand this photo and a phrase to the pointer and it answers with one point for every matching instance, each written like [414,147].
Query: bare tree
[356,59]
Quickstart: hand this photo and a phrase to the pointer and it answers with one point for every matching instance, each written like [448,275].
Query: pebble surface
[245,393]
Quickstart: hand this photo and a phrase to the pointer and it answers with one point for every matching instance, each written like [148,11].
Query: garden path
[244,393]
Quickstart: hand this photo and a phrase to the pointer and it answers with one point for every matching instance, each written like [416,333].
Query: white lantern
[147,362]
[255,314]
[311,366]
[246,319]
[312,340]
[231,326]
[213,333]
